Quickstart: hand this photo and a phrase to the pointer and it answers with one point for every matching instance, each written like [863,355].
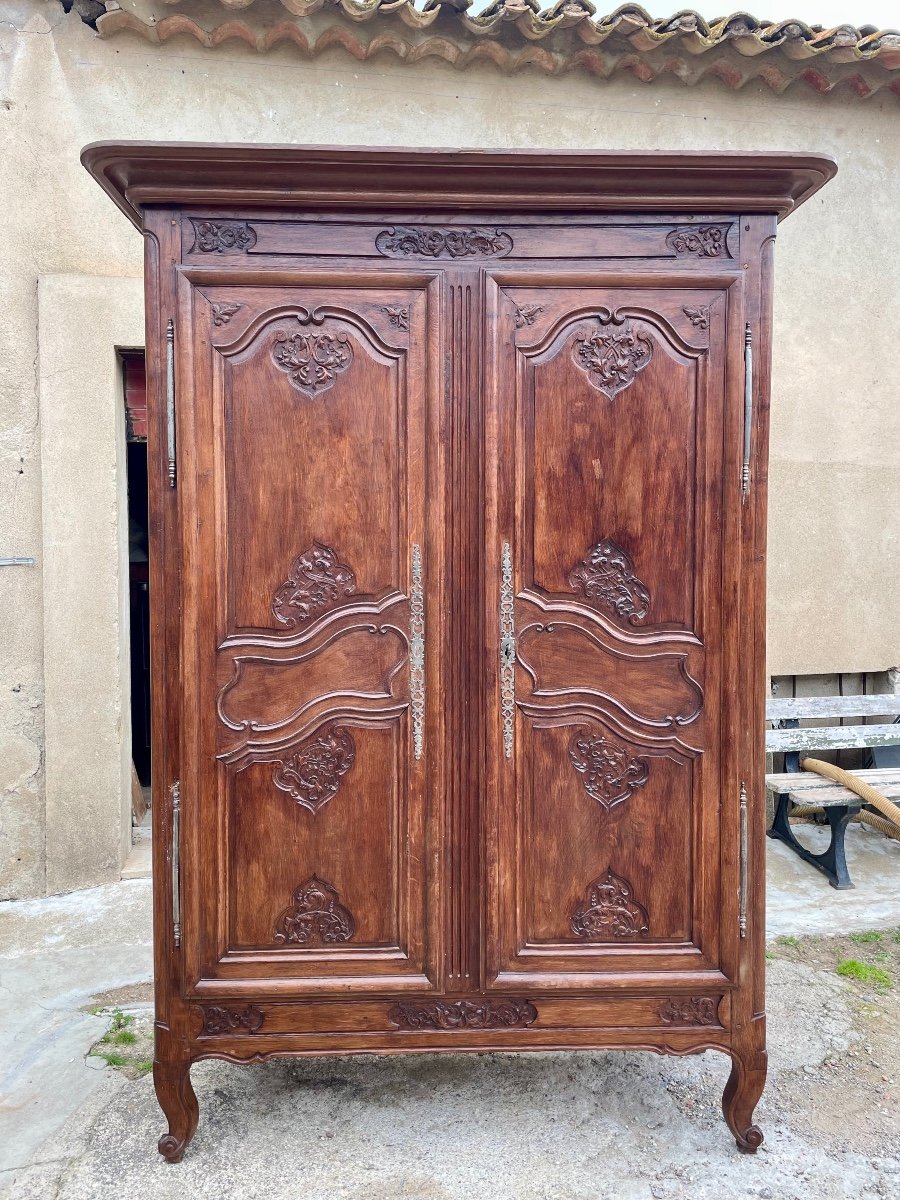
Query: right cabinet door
[614,444]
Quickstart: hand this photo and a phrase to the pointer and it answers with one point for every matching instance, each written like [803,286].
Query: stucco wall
[835,494]
[87,684]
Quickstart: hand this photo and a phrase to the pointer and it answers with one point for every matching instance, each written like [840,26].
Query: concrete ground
[590,1126]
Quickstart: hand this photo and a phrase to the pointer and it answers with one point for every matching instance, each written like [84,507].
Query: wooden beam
[830,737]
[800,707]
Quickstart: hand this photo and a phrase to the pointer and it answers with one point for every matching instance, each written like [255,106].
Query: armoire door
[614,410]
[311,493]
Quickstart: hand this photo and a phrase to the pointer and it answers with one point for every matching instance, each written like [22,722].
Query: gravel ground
[590,1126]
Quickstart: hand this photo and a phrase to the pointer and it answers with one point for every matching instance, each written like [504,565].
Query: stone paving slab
[55,955]
[801,901]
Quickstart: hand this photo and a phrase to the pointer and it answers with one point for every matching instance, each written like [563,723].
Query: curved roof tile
[570,35]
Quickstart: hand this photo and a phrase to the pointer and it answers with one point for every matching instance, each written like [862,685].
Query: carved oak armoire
[458,515]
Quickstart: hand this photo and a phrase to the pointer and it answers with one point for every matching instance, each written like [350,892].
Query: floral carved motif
[398,317]
[609,912]
[606,579]
[609,773]
[706,241]
[222,237]
[526,313]
[312,360]
[698,316]
[315,916]
[613,356]
[316,582]
[464,1014]
[222,313]
[312,774]
[218,1019]
[426,241]
[688,1010]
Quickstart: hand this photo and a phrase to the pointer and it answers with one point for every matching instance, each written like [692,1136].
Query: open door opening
[134,378]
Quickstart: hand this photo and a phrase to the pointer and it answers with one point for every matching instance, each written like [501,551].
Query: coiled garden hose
[889,821]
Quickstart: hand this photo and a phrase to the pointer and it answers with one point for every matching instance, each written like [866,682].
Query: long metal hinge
[170,400]
[742,907]
[748,409]
[175,791]
[417,652]
[507,651]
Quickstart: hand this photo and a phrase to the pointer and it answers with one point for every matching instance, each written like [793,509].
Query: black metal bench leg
[839,816]
[832,861]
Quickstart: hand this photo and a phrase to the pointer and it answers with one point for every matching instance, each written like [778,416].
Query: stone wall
[835,475]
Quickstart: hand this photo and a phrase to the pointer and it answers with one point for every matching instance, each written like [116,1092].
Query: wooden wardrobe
[458,515]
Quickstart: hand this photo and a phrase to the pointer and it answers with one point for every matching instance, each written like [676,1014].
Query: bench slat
[825,799]
[831,737]
[788,780]
[800,707]
[809,789]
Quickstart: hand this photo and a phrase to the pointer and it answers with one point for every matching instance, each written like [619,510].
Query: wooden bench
[805,789]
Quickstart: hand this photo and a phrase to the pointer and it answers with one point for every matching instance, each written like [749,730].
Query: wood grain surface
[390,367]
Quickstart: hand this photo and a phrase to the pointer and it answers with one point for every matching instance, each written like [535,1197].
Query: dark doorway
[134,376]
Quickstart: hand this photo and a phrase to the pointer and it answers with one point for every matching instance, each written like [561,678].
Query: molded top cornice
[138,175]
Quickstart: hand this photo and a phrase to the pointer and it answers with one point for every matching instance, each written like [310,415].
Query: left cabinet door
[310,492]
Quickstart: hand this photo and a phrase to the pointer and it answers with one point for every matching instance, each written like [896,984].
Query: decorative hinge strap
[170,400]
[417,652]
[175,792]
[742,906]
[507,651]
[748,409]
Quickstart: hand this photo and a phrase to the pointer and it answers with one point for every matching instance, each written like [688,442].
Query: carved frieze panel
[312,774]
[701,241]
[428,241]
[315,916]
[222,237]
[219,1019]
[688,1010]
[312,361]
[316,582]
[605,578]
[464,1014]
[609,912]
[614,355]
[610,774]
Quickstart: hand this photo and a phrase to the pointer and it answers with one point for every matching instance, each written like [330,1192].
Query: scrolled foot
[742,1092]
[750,1141]
[171,1148]
[179,1103]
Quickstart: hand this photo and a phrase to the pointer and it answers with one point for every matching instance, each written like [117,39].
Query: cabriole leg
[172,1080]
[742,1092]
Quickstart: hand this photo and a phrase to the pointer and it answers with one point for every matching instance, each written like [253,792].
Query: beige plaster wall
[835,500]
[87,737]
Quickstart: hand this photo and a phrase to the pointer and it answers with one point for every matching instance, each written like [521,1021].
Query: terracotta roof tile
[572,35]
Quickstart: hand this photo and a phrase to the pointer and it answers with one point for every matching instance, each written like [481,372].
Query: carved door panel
[613,491]
[311,493]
